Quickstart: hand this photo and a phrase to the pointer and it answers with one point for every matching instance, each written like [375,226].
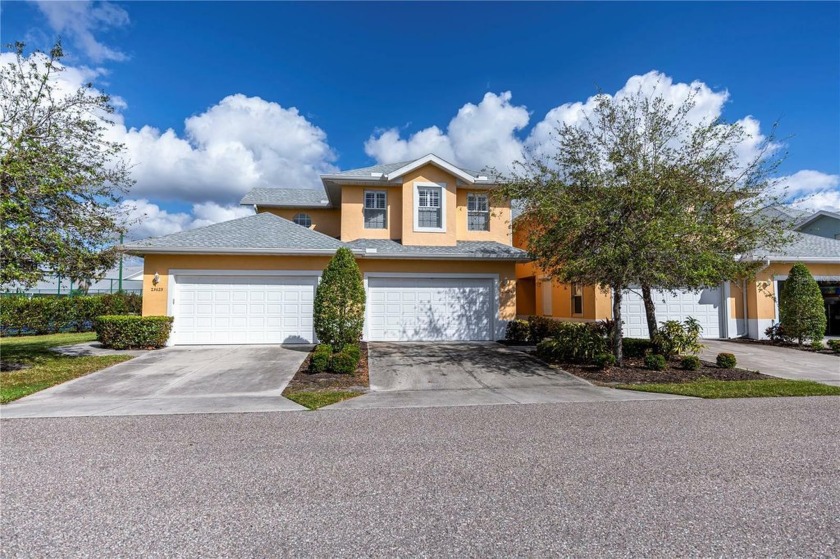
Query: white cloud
[78,20]
[478,136]
[812,190]
[147,219]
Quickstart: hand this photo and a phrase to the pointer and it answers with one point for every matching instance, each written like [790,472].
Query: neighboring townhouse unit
[733,309]
[434,247]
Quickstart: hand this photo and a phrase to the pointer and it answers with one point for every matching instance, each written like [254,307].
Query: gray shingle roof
[292,197]
[804,246]
[255,233]
[463,249]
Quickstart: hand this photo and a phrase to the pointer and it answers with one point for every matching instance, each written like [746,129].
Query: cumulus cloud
[478,136]
[813,190]
[147,219]
[492,132]
[79,20]
[236,145]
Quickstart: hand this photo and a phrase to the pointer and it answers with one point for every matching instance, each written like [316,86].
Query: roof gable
[287,197]
[390,172]
[815,216]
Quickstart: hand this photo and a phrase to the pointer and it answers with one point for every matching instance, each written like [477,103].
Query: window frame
[302,214]
[577,293]
[485,212]
[365,208]
[441,188]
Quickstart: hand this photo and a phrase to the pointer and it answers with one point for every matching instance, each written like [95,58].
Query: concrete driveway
[471,374]
[178,380]
[778,361]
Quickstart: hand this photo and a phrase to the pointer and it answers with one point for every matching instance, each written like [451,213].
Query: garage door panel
[704,305]
[428,309]
[243,309]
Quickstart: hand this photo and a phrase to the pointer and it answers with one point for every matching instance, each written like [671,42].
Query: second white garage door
[703,305]
[243,309]
[428,309]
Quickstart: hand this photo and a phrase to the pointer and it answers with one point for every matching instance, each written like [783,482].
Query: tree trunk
[616,334]
[650,311]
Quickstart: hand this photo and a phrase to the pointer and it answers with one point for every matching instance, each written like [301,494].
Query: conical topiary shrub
[340,302]
[801,307]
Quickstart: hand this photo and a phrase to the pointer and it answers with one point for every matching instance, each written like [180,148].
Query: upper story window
[303,219]
[429,214]
[478,212]
[375,209]
[577,298]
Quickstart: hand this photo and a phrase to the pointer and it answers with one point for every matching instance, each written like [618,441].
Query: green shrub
[572,342]
[726,361]
[339,310]
[353,350]
[777,335]
[344,362]
[676,338]
[320,360]
[636,347]
[604,360]
[690,363]
[834,345]
[655,362]
[133,332]
[801,306]
[518,331]
[50,314]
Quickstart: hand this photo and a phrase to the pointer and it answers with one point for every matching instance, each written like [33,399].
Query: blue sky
[373,82]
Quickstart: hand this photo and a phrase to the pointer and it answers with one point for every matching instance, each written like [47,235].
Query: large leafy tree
[61,178]
[642,193]
[801,306]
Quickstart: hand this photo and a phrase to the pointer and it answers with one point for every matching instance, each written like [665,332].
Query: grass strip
[765,388]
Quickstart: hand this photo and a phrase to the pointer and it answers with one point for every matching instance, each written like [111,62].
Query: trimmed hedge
[834,345]
[518,332]
[345,361]
[636,347]
[320,360]
[133,332]
[691,363]
[572,341]
[50,314]
[604,360]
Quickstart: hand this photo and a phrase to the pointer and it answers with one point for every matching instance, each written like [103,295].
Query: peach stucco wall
[761,293]
[352,214]
[429,174]
[327,222]
[155,297]
[499,230]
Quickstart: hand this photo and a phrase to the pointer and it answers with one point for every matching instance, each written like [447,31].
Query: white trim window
[376,209]
[429,210]
[478,212]
[577,299]
[303,219]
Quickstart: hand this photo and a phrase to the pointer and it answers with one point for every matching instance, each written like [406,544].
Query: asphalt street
[667,478]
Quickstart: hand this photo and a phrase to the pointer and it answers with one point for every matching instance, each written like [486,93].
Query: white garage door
[243,309]
[425,309]
[704,305]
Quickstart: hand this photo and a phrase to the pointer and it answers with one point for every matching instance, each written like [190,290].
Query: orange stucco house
[730,310]
[434,248]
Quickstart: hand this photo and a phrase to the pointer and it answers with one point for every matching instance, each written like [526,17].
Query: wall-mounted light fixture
[156,279]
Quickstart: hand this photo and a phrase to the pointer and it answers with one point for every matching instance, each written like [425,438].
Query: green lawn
[314,399]
[43,367]
[707,388]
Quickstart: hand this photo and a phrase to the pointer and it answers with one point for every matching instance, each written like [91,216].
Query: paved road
[733,478]
[778,361]
[189,379]
[420,375]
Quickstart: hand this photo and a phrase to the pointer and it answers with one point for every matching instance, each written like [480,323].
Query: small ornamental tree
[801,307]
[340,302]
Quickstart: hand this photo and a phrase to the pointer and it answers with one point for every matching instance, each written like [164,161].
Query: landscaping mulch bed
[809,349]
[635,372]
[306,381]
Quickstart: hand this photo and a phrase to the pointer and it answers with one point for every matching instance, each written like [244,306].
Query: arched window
[303,219]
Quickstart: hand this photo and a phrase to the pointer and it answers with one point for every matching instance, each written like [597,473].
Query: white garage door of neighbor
[703,305]
[244,309]
[427,309]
